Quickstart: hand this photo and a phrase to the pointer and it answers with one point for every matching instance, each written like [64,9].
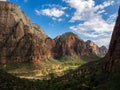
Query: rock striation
[113,55]
[70,44]
[92,47]
[95,49]
[20,40]
[23,41]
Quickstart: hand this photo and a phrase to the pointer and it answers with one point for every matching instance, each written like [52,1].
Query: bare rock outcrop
[92,47]
[23,41]
[70,44]
[20,40]
[95,49]
[113,55]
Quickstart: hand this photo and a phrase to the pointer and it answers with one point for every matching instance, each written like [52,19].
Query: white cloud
[85,9]
[53,11]
[93,26]
[105,4]
[82,7]
[55,6]
[112,18]
[100,12]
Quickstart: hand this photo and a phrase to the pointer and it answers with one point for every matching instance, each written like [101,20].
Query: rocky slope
[93,48]
[70,44]
[20,40]
[23,41]
[113,55]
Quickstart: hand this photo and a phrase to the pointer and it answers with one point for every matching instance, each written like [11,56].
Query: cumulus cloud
[93,25]
[53,11]
[86,9]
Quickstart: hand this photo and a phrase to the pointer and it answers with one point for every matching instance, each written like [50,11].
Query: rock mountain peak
[22,41]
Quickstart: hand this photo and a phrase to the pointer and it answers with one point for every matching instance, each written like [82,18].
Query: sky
[89,19]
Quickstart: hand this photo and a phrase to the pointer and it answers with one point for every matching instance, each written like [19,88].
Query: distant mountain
[103,50]
[22,41]
[70,44]
[113,55]
[95,49]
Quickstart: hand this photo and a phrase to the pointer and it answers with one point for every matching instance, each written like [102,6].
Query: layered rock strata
[23,41]
[20,40]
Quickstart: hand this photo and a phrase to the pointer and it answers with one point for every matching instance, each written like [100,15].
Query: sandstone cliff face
[92,47]
[113,54]
[70,44]
[95,49]
[20,40]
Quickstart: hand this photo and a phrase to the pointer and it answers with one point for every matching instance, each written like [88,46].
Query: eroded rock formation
[113,54]
[20,40]
[92,47]
[70,44]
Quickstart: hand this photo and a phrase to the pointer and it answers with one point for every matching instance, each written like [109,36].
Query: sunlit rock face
[113,54]
[70,44]
[23,41]
[20,40]
[92,47]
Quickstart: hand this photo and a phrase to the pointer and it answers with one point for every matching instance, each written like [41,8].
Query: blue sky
[90,19]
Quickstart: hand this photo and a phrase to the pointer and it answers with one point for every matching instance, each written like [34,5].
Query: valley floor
[89,76]
[44,70]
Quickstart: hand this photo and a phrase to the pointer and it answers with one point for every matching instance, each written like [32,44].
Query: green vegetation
[90,58]
[90,76]
[43,70]
[67,73]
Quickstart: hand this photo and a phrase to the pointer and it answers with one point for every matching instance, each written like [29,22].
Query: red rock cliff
[70,44]
[20,40]
[92,47]
[113,54]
